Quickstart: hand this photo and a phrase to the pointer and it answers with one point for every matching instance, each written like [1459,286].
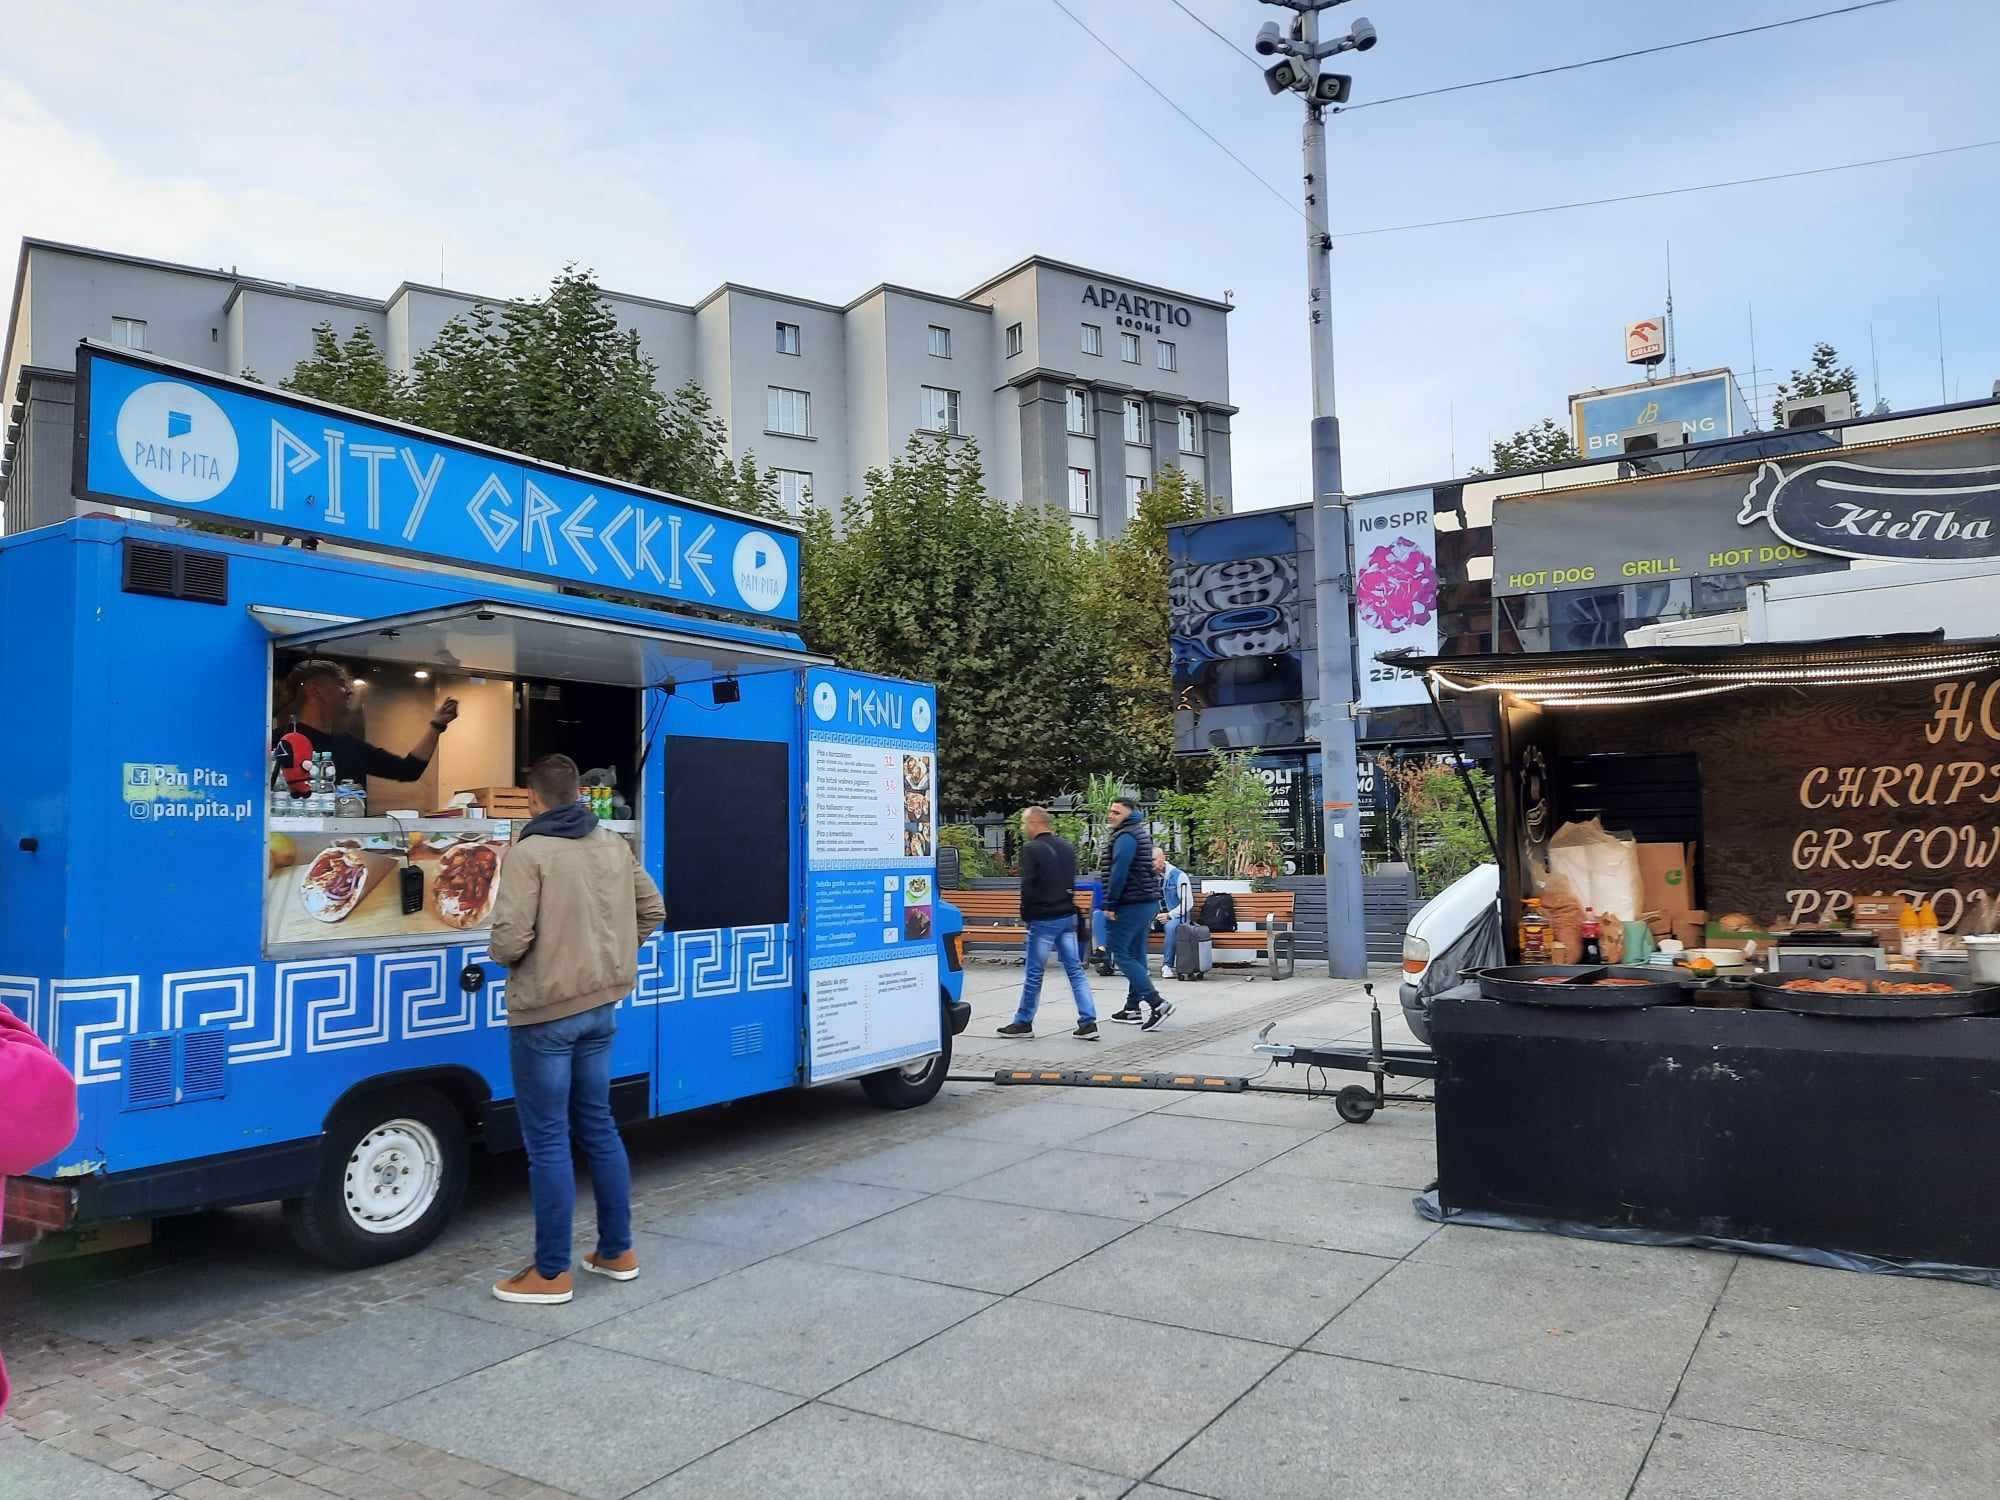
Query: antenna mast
[1673,355]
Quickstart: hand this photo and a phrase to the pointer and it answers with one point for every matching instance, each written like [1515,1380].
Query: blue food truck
[266,996]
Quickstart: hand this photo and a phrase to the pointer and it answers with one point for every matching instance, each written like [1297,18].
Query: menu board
[347,886]
[871,876]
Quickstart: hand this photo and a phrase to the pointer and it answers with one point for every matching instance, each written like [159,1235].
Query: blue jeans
[562,1088]
[1058,933]
[1167,954]
[1125,936]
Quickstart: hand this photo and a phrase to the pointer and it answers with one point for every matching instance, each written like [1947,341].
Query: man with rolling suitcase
[1176,906]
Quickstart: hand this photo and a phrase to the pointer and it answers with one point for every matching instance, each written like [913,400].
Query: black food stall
[1810,1102]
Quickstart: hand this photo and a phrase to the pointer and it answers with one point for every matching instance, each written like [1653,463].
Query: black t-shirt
[356,760]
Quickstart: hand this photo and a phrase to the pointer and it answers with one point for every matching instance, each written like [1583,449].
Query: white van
[1457,929]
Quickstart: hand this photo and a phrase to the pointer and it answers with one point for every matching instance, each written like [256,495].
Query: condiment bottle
[1534,932]
[1908,937]
[1929,939]
[1588,951]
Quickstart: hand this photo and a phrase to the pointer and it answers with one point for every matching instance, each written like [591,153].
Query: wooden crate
[499,801]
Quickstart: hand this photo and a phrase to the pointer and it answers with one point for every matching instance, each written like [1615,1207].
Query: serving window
[417,862]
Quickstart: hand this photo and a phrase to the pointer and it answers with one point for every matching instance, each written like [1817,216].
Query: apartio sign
[1139,313]
[1912,515]
[161,436]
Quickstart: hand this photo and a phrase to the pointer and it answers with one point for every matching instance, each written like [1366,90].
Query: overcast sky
[822,147]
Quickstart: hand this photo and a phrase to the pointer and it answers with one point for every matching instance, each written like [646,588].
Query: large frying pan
[1966,998]
[1522,984]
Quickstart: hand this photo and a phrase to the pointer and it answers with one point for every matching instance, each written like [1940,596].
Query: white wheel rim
[919,1070]
[393,1176]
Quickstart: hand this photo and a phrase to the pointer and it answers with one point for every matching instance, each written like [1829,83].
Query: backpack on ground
[1194,952]
[1218,912]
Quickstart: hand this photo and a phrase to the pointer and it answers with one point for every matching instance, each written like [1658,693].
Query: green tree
[353,374]
[1440,836]
[1826,377]
[1131,604]
[1534,447]
[927,576]
[1229,820]
[555,378]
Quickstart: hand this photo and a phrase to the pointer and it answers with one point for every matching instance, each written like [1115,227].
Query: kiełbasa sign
[160,436]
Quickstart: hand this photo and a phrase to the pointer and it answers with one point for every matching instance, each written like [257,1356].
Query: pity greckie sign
[160,436]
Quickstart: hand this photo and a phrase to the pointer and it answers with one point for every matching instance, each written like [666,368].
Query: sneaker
[618,1267]
[532,1286]
[1086,1031]
[1017,1028]
[1131,1015]
[1161,1010]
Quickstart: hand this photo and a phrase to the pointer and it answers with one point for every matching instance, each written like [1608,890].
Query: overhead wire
[1700,187]
[1167,100]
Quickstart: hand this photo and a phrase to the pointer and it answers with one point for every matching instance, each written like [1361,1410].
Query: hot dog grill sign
[1788,515]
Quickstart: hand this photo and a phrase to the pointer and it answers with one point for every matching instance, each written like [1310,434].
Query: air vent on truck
[175,572]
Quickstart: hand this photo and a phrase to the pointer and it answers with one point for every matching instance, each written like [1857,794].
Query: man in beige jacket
[572,910]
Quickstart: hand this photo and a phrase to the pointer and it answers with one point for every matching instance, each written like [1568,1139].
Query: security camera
[1287,75]
[1362,34]
[1268,39]
[1331,88]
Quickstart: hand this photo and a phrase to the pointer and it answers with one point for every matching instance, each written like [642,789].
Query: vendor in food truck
[314,698]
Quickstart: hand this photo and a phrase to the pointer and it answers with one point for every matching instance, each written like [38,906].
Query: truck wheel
[392,1171]
[914,1083]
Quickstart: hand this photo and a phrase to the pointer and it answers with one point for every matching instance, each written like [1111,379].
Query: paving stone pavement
[1009,1293]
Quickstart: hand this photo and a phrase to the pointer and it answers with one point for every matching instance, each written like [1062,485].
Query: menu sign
[871,874]
[1810,801]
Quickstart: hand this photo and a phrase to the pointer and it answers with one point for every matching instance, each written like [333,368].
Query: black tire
[400,1139]
[914,1084]
[1355,1104]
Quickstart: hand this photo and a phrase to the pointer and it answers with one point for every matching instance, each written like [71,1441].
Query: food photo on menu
[917,808]
[326,889]
[917,915]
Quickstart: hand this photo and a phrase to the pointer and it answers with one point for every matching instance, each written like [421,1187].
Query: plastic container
[1983,951]
[1534,932]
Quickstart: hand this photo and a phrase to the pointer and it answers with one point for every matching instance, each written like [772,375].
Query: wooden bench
[1263,925]
[995,916]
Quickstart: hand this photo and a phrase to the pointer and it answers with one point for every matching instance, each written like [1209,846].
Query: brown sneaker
[532,1286]
[618,1267]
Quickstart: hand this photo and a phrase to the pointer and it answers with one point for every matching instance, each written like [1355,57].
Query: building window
[940,342]
[1076,405]
[128,333]
[1135,420]
[1190,430]
[788,338]
[1135,485]
[795,489]
[789,412]
[1093,339]
[940,411]
[1013,339]
[1166,355]
[1128,348]
[1079,493]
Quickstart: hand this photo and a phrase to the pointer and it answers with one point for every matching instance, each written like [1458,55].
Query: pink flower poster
[1394,551]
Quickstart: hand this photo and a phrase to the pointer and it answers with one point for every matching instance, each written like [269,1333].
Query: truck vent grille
[176,572]
[149,1071]
[204,1060]
[744,1041]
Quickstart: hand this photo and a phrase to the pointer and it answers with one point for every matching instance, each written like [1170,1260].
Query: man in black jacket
[1048,907]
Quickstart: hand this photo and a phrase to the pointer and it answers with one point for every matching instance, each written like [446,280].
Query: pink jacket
[37,1110]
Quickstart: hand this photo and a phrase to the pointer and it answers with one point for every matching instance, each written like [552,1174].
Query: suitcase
[1194,951]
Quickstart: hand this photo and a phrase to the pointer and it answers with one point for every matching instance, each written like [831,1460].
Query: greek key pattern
[279,1010]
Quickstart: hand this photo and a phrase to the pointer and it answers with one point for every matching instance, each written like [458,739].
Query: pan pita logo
[1917,515]
[920,715]
[177,442]
[760,570]
[826,702]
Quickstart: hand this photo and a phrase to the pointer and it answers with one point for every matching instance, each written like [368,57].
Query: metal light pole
[1346,923]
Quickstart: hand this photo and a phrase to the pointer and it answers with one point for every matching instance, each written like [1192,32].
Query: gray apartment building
[1077,385]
